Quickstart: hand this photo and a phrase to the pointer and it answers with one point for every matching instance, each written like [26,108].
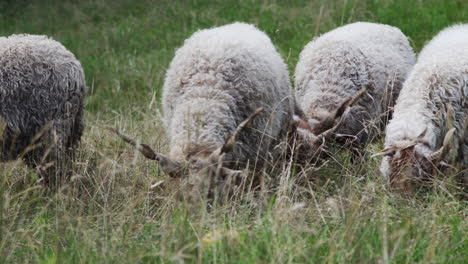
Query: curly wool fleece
[336,65]
[42,85]
[216,80]
[433,99]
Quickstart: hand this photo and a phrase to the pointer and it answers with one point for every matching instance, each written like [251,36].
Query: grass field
[109,213]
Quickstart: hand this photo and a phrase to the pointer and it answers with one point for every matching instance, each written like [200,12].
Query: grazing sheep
[365,63]
[217,79]
[42,88]
[432,106]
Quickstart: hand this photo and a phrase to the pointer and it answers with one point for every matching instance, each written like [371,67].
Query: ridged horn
[442,151]
[172,168]
[232,139]
[341,114]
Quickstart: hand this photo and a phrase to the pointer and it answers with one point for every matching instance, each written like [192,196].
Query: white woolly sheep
[432,106]
[335,70]
[217,79]
[42,88]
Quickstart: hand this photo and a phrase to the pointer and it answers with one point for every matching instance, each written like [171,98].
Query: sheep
[431,113]
[360,63]
[42,90]
[227,102]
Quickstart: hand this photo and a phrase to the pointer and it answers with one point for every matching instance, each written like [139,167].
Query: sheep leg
[77,128]
[464,174]
[52,158]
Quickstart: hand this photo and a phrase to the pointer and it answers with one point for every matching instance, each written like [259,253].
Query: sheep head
[201,162]
[414,162]
[315,132]
[206,163]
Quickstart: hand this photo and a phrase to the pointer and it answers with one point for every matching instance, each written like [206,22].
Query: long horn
[350,101]
[328,133]
[169,166]
[440,153]
[341,114]
[386,152]
[146,150]
[231,140]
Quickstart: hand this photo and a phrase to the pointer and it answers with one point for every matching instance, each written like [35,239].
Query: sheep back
[215,81]
[41,84]
[434,99]
[336,65]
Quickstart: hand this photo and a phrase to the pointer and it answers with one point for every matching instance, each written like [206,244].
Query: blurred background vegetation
[125,46]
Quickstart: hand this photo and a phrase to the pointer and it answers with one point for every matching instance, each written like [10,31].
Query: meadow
[120,208]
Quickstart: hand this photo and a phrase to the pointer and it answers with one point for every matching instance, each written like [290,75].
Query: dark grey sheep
[42,90]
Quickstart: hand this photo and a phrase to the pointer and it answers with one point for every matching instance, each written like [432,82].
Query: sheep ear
[386,152]
[442,151]
[231,140]
[170,167]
